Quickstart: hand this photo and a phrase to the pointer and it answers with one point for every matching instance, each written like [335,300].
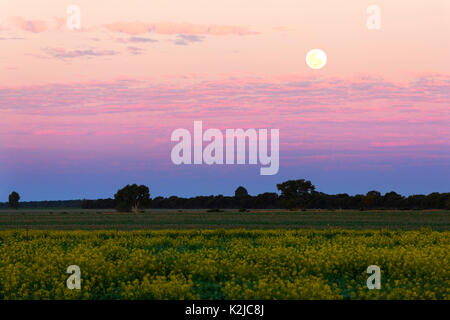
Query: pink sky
[137,70]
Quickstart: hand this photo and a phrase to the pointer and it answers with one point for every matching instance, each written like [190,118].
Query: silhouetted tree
[242,197]
[132,197]
[241,192]
[296,193]
[13,200]
[392,200]
[371,200]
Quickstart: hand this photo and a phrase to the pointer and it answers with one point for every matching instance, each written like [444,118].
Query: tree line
[292,194]
[75,204]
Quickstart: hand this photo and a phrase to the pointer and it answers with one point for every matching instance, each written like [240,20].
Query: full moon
[316,59]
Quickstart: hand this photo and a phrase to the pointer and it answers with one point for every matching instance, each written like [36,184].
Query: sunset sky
[84,112]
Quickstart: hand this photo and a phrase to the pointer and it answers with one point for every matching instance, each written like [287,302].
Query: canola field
[225,264]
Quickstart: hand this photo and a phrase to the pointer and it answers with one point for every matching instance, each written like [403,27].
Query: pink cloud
[407,143]
[59,23]
[34,26]
[306,98]
[317,118]
[58,133]
[135,28]
[132,28]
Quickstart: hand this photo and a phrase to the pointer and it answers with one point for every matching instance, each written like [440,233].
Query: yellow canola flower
[225,264]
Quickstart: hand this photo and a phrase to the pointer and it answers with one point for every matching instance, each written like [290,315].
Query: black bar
[220,309]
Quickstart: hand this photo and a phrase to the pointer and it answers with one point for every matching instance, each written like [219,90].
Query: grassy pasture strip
[158,219]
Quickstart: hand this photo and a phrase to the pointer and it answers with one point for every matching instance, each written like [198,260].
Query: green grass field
[74,219]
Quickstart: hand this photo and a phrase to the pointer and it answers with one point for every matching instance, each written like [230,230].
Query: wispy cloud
[137,40]
[10,38]
[61,53]
[135,28]
[34,26]
[185,39]
[333,99]
[135,50]
[338,121]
